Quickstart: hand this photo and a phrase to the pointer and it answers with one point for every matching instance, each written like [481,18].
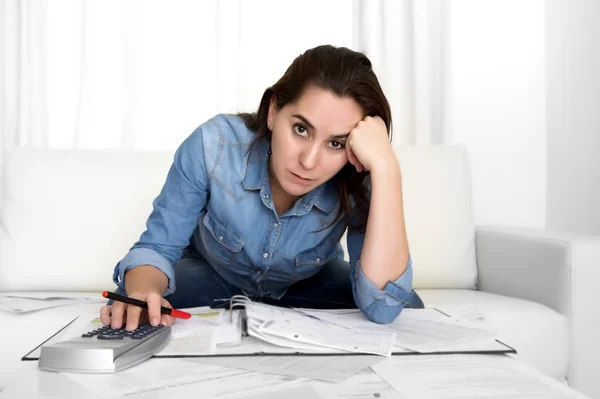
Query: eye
[300,130]
[337,145]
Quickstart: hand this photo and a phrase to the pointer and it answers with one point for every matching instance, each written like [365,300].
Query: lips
[301,180]
[301,177]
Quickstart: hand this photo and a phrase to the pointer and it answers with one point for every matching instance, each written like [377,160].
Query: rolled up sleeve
[382,306]
[378,305]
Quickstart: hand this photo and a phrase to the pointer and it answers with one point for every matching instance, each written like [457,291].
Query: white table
[23,379]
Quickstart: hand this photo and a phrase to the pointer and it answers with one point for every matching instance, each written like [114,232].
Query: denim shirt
[217,199]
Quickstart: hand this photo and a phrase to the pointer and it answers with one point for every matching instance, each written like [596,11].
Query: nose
[309,157]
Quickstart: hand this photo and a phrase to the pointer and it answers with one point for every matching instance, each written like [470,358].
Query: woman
[256,204]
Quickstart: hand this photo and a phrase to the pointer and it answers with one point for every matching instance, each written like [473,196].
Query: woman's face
[309,138]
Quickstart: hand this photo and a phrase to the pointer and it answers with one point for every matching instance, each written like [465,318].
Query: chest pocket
[309,262]
[218,241]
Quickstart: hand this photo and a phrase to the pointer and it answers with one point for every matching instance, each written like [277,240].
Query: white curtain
[143,74]
[407,40]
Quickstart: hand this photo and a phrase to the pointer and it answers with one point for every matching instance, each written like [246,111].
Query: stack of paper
[294,329]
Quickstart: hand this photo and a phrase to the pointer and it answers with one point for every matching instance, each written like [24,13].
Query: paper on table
[423,330]
[304,391]
[17,304]
[313,332]
[94,297]
[182,378]
[327,368]
[474,315]
[203,318]
[469,376]
[295,329]
[202,342]
[365,385]
[256,346]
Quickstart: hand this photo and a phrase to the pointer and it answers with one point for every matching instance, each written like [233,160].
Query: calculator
[104,350]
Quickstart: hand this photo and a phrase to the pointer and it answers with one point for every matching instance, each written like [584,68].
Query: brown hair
[346,73]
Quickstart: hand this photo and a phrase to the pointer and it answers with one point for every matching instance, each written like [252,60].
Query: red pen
[142,304]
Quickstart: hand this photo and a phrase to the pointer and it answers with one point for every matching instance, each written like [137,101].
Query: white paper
[468,376]
[365,385]
[281,341]
[327,368]
[17,304]
[304,391]
[296,329]
[199,343]
[202,319]
[315,333]
[422,330]
[94,297]
[464,313]
[177,378]
[253,345]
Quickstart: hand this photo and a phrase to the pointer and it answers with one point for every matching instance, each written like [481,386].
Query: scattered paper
[95,297]
[469,376]
[19,304]
[202,319]
[256,346]
[422,330]
[304,391]
[472,314]
[327,368]
[178,378]
[365,385]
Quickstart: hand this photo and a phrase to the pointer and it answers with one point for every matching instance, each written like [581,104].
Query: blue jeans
[198,284]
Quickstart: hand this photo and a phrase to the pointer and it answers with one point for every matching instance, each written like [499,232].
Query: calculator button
[110,337]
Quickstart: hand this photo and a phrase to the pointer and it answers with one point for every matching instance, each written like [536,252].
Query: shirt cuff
[395,293]
[144,256]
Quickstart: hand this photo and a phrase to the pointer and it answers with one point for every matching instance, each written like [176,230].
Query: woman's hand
[118,312]
[146,283]
[368,145]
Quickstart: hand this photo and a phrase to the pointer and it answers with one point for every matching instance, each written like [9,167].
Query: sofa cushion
[439,215]
[68,216]
[539,334]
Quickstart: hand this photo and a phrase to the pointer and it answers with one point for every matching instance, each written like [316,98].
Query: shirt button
[266,196]
[266,255]
[276,225]
[318,260]
[220,238]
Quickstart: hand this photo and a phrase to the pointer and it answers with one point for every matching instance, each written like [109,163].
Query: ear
[272,112]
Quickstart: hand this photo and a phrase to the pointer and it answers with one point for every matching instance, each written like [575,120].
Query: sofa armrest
[559,270]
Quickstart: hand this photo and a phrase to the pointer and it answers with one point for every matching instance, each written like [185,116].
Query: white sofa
[67,217]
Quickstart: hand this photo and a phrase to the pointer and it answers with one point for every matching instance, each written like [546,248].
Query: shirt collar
[323,197]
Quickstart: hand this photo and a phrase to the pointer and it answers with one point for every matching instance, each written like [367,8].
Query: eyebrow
[303,119]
